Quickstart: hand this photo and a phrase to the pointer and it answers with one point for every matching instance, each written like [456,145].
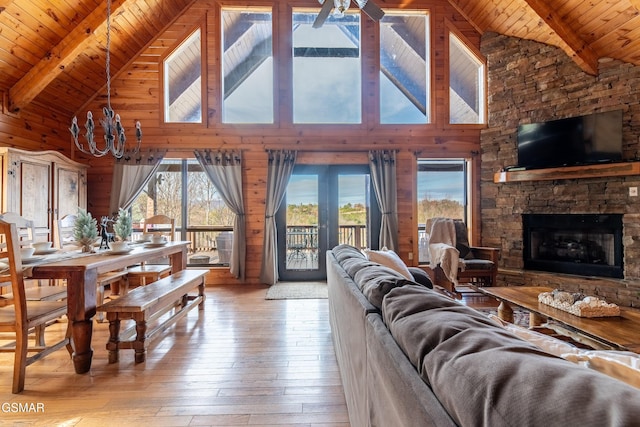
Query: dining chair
[150,271]
[26,237]
[22,316]
[116,280]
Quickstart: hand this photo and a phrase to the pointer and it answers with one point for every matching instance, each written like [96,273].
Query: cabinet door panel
[69,187]
[35,198]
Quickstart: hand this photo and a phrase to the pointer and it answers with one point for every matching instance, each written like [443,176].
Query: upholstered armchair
[454,261]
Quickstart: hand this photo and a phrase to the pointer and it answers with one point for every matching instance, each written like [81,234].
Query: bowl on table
[41,246]
[158,239]
[27,252]
[119,246]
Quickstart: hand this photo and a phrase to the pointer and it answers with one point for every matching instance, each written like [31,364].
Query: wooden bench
[148,304]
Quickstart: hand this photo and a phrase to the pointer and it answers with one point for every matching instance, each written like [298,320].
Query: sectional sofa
[411,356]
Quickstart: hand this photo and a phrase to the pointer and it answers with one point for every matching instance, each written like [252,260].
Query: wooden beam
[65,52]
[576,48]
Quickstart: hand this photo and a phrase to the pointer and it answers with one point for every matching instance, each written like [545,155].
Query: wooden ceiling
[52,54]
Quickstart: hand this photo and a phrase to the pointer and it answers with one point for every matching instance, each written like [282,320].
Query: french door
[324,206]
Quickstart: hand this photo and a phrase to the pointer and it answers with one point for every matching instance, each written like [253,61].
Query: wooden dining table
[81,272]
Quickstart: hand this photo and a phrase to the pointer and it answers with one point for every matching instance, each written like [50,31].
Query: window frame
[452,30]
[183,227]
[467,165]
[271,9]
[203,77]
[429,78]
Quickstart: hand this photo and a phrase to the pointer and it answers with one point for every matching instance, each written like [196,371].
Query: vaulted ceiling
[53,53]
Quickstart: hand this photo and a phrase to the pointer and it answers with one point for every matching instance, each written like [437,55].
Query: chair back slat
[25,228]
[160,224]
[63,235]
[13,272]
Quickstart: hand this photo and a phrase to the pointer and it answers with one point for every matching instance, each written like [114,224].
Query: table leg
[81,307]
[178,261]
[535,319]
[505,312]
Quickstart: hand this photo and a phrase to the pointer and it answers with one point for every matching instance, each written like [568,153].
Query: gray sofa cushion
[342,252]
[484,375]
[376,281]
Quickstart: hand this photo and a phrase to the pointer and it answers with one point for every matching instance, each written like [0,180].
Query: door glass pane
[302,223]
[353,210]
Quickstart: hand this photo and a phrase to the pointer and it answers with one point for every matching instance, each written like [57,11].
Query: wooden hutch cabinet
[42,186]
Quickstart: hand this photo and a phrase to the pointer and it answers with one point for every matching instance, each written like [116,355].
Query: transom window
[247,66]
[466,84]
[404,68]
[182,82]
[326,69]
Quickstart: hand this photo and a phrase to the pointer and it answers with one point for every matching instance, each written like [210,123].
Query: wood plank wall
[136,95]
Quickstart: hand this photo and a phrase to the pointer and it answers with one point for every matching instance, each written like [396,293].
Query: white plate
[46,251]
[122,252]
[154,245]
[31,259]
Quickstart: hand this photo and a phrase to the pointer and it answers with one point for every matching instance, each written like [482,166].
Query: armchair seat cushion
[478,264]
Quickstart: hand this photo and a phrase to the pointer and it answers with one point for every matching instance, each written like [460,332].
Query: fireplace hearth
[580,244]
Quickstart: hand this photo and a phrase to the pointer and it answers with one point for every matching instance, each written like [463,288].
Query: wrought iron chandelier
[114,137]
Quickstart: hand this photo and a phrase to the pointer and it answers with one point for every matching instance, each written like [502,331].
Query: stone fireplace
[583,244]
[532,82]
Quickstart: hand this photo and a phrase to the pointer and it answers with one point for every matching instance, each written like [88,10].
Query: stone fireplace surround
[533,82]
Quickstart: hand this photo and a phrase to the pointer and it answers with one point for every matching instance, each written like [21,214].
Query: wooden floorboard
[243,361]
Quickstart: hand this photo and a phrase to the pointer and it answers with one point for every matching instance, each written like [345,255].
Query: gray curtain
[280,167]
[383,175]
[224,169]
[130,175]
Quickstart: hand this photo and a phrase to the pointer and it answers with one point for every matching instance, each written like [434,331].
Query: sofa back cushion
[377,280]
[485,375]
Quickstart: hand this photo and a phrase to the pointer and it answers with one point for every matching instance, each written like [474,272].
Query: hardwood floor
[243,361]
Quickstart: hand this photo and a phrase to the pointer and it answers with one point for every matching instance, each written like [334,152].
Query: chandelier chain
[114,136]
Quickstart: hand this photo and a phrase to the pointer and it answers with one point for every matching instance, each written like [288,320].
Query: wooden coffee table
[620,332]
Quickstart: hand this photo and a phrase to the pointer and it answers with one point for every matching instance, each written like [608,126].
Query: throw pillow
[421,277]
[389,259]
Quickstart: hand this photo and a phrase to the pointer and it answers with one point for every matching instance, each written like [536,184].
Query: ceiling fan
[367,6]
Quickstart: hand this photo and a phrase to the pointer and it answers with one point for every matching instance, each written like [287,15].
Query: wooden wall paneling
[406,171]
[137,94]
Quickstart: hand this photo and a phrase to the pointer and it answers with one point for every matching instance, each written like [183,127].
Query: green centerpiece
[123,226]
[85,230]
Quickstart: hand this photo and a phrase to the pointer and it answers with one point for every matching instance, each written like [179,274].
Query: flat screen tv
[595,138]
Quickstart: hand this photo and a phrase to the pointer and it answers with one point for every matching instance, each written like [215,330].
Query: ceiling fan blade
[324,13]
[372,10]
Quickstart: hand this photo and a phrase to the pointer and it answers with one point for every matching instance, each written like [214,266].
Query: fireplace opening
[581,244]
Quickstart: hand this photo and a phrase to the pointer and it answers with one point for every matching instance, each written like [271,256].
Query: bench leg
[139,344]
[114,339]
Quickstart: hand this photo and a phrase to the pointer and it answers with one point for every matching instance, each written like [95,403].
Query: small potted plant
[85,230]
[122,228]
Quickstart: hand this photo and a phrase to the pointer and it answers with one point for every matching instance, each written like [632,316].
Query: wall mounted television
[583,140]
